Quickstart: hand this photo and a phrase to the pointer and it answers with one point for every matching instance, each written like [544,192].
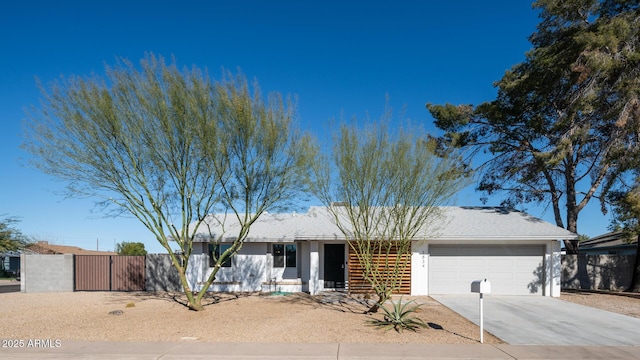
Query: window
[284,255]
[214,253]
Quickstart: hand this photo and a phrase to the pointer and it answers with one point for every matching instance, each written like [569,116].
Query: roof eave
[429,239]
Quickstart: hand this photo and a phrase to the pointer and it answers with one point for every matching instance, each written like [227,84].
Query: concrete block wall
[597,272]
[46,273]
[160,274]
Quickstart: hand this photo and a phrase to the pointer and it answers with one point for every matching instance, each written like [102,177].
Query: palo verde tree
[170,146]
[382,189]
[563,126]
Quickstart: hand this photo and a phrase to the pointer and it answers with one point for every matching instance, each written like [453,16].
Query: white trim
[314,268]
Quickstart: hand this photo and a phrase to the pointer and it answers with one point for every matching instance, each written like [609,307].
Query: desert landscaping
[279,318]
[291,318]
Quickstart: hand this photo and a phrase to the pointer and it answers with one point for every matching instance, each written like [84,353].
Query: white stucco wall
[304,263]
[420,268]
[314,267]
[248,267]
[553,258]
[251,270]
[247,271]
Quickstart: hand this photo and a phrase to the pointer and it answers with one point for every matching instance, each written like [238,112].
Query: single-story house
[613,243]
[305,252]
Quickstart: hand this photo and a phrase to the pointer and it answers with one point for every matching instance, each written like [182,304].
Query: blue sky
[340,58]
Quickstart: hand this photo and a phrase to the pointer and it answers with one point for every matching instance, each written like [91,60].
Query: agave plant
[399,317]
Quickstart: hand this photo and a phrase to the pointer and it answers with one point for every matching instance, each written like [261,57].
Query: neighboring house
[519,254]
[44,248]
[613,243]
[10,262]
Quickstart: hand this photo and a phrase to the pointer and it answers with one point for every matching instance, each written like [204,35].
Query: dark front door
[334,266]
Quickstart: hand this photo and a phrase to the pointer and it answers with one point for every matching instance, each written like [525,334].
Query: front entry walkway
[542,320]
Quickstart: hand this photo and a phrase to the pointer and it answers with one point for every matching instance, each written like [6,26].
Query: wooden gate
[109,273]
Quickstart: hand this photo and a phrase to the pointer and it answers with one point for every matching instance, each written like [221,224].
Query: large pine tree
[565,123]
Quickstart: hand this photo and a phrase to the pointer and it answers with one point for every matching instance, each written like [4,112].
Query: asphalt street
[6,288]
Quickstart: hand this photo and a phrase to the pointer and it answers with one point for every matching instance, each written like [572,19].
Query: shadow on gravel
[337,301]
[208,299]
[435,326]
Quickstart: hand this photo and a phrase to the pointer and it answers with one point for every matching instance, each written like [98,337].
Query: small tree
[169,147]
[131,248]
[386,190]
[11,239]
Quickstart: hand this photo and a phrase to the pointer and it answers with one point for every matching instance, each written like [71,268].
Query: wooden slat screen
[357,283]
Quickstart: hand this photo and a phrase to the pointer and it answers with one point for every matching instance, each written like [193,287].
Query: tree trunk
[382,298]
[572,225]
[373,309]
[635,278]
[193,302]
[571,246]
[196,305]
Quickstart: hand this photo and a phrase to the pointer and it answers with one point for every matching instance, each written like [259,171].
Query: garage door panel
[501,261]
[447,276]
[474,262]
[449,262]
[512,270]
[499,276]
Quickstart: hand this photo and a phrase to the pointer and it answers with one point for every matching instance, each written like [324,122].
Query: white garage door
[512,270]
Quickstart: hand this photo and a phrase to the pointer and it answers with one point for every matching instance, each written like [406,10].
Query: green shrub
[400,317]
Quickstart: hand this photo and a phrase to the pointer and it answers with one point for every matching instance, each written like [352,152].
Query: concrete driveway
[541,320]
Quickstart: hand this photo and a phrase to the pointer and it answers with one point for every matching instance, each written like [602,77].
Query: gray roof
[609,240]
[455,223]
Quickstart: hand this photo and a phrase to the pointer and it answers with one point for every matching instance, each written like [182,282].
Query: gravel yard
[625,304]
[242,318]
[228,318]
